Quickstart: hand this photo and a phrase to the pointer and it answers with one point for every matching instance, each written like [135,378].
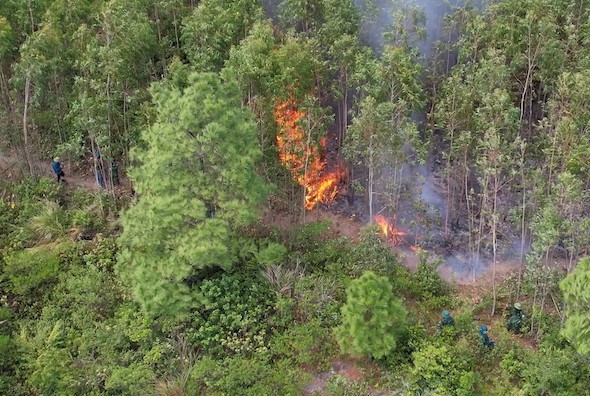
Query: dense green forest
[225,163]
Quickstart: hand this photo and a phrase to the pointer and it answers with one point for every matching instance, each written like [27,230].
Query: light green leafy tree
[214,28]
[371,317]
[196,184]
[577,297]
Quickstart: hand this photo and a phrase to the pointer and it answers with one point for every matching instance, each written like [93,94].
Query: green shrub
[31,270]
[238,376]
[318,296]
[427,284]
[102,253]
[32,190]
[10,358]
[234,316]
[135,379]
[443,370]
[552,371]
[310,345]
[315,246]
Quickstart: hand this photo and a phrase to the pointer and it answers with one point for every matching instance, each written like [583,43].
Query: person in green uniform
[516,320]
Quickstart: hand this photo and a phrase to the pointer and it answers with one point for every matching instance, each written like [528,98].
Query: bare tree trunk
[25,125]
[522,232]
[176,29]
[482,218]
[494,241]
[371,177]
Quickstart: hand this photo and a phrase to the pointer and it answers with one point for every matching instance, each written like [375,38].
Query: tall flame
[389,231]
[303,159]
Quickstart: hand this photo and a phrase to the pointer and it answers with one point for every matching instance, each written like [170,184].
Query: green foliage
[318,296]
[233,316]
[245,377]
[11,356]
[555,371]
[214,27]
[50,223]
[427,284]
[271,254]
[577,297]
[32,272]
[440,370]
[371,318]
[307,345]
[196,184]
[132,380]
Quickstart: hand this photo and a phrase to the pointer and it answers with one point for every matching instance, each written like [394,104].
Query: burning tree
[297,151]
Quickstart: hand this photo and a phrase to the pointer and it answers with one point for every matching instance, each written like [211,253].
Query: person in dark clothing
[56,166]
[516,320]
[446,320]
[483,333]
[115,173]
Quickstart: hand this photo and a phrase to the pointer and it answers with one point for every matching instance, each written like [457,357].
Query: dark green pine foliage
[196,184]
[371,317]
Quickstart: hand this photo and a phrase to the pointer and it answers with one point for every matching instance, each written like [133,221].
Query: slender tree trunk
[482,219]
[449,187]
[371,177]
[176,29]
[494,241]
[26,126]
[523,232]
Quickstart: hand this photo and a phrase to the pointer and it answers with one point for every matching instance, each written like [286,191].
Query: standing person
[516,320]
[56,166]
[483,333]
[446,320]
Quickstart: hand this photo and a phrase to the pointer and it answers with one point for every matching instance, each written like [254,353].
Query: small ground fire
[389,231]
[303,159]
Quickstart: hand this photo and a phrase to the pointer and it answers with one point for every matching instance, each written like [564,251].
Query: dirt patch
[347,368]
[341,225]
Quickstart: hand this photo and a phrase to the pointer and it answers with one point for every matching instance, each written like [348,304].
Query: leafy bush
[427,284]
[135,379]
[10,357]
[314,245]
[318,296]
[31,270]
[238,376]
[234,316]
[309,345]
[102,253]
[32,190]
[441,370]
[552,371]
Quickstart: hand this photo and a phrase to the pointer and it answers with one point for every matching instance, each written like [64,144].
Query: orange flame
[304,160]
[389,231]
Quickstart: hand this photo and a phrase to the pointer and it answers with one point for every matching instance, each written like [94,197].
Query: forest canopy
[335,197]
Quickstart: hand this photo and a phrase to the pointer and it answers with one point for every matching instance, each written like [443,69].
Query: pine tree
[577,297]
[371,317]
[196,184]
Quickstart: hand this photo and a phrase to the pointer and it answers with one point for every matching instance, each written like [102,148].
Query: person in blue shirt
[56,166]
